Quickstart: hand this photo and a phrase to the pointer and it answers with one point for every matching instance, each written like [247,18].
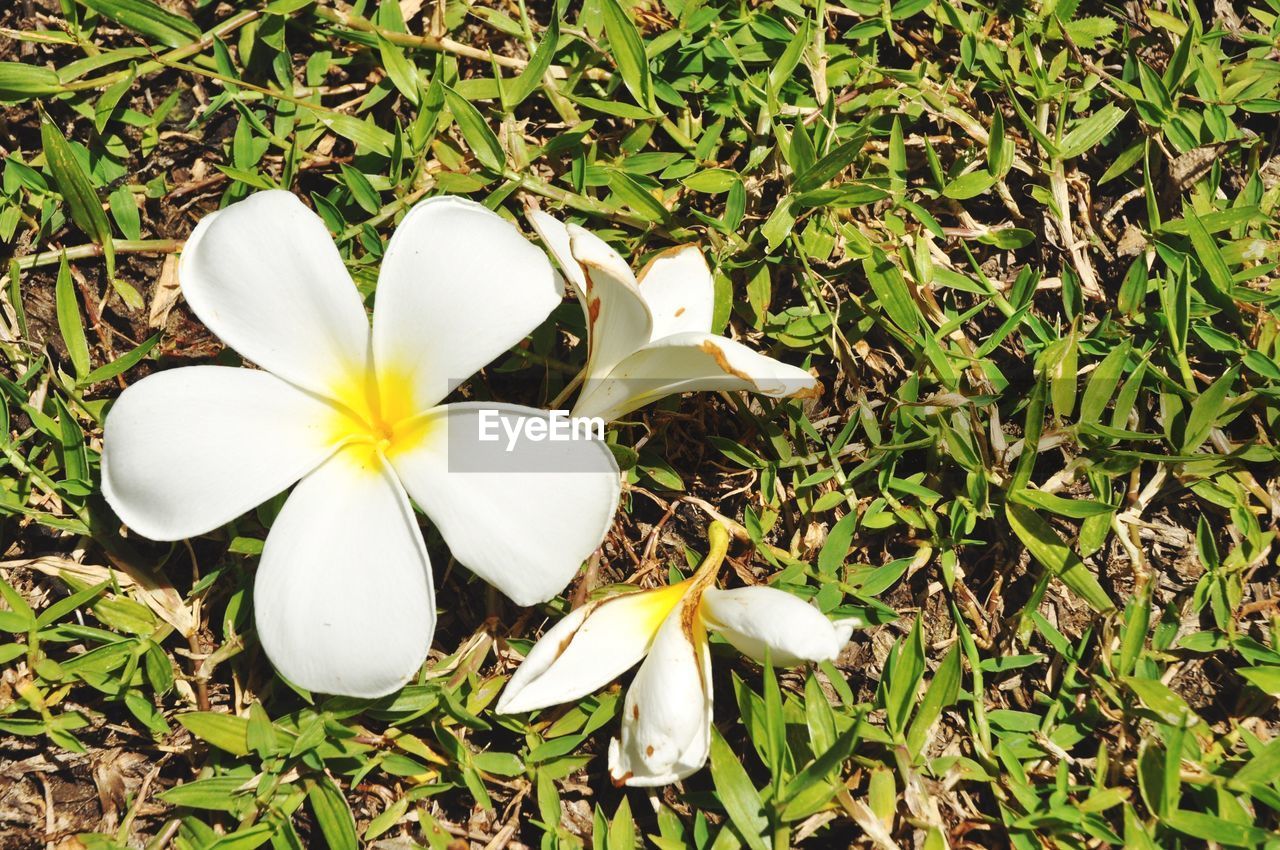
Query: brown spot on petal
[648,751]
[679,312]
[687,614]
[619,781]
[635,712]
[709,347]
[593,310]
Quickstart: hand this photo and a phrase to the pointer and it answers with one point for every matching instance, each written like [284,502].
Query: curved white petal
[618,319]
[681,294]
[555,238]
[459,286]
[343,598]
[666,717]
[265,276]
[187,450]
[752,618]
[522,519]
[686,362]
[589,648]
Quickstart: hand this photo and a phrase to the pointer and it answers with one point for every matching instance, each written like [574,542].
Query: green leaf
[70,325]
[361,189]
[531,77]
[1008,238]
[260,734]
[1215,829]
[106,104]
[216,793]
[224,731]
[836,547]
[1206,409]
[891,290]
[627,50]
[19,611]
[19,81]
[711,181]
[739,797]
[902,682]
[808,790]
[778,226]
[77,190]
[121,364]
[1266,678]
[1103,382]
[70,603]
[781,71]
[835,161]
[969,185]
[401,70]
[333,816]
[999,152]
[1090,131]
[146,18]
[1208,252]
[775,726]
[1074,508]
[1087,31]
[1061,362]
[942,692]
[737,452]
[124,209]
[636,197]
[475,130]
[248,838]
[622,829]
[363,133]
[1049,550]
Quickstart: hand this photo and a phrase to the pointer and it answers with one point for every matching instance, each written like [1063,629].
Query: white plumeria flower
[649,336]
[343,594]
[666,717]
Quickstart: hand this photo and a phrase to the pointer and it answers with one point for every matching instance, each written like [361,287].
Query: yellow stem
[718,547]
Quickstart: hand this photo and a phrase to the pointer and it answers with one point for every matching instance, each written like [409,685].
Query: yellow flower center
[376,416]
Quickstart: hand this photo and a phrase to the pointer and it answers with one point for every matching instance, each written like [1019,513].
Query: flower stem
[569,388]
[717,548]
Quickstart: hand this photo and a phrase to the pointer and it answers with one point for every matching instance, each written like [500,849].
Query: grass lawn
[1029,251]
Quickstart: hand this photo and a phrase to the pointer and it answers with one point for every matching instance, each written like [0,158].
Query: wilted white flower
[649,336]
[343,594]
[666,717]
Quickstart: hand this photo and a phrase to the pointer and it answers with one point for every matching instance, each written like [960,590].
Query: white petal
[752,618]
[666,717]
[589,648]
[618,319]
[680,292]
[459,286]
[524,520]
[265,276]
[187,450]
[343,598]
[555,238]
[688,362]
